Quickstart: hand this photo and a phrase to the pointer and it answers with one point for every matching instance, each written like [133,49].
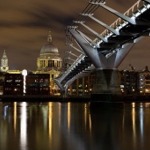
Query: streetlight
[24,73]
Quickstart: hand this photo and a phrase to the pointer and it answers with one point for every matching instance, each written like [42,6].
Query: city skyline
[24,27]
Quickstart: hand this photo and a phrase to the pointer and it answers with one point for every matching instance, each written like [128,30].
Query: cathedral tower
[4,62]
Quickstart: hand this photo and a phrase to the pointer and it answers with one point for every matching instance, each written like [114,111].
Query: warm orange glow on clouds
[24,26]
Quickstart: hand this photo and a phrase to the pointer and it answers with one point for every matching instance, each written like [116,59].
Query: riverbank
[42,98]
[97,98]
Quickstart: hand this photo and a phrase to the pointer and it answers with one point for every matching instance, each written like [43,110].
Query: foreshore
[97,98]
[42,98]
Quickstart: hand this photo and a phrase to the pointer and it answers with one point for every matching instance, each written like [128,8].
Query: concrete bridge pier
[106,84]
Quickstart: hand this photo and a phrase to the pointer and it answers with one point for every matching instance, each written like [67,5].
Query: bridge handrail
[74,63]
[62,76]
[130,12]
[133,12]
[81,74]
[118,23]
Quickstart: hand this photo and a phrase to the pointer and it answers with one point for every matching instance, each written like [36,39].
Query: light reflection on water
[74,126]
[23,126]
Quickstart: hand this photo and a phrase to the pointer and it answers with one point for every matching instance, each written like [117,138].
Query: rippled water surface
[74,126]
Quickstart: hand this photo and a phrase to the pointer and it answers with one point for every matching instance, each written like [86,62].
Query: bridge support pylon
[107,78]
[106,84]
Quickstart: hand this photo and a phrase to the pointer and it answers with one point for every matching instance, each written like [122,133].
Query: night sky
[24,25]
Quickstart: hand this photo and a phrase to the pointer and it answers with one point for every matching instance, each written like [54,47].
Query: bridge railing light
[95,1]
[78,21]
[87,14]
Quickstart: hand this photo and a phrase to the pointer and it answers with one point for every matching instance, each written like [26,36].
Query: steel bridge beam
[94,32]
[90,51]
[78,50]
[79,75]
[69,52]
[124,17]
[87,39]
[103,24]
[112,60]
[148,1]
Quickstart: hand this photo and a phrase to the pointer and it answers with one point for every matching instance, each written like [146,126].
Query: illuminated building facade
[13,84]
[35,84]
[144,77]
[82,86]
[135,82]
[129,82]
[50,62]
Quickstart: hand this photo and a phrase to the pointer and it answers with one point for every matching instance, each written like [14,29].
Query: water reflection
[134,123]
[15,116]
[50,114]
[140,113]
[74,126]
[23,125]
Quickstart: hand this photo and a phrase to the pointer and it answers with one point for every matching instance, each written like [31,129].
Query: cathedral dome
[49,58]
[49,48]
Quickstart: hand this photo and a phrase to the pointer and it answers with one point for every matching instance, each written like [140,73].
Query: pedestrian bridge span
[108,48]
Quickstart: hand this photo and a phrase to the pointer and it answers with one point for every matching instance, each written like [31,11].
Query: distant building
[2,79]
[50,62]
[135,82]
[144,77]
[82,86]
[129,82]
[37,84]
[13,84]
[32,84]
[11,81]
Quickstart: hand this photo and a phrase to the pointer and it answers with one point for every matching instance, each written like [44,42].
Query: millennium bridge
[105,53]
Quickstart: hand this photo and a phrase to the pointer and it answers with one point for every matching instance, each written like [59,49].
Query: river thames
[74,126]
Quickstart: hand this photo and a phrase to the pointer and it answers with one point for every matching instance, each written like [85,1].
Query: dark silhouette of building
[32,84]
[129,82]
[38,84]
[13,84]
